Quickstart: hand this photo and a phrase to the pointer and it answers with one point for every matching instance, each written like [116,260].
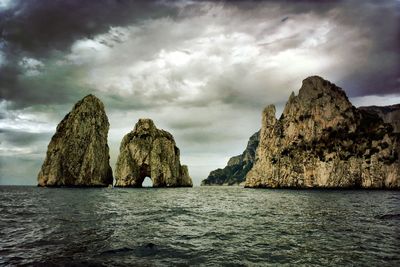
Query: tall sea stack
[78,154]
[322,140]
[149,152]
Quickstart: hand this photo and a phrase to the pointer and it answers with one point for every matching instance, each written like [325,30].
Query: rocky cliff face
[389,114]
[321,140]
[237,168]
[78,153]
[149,152]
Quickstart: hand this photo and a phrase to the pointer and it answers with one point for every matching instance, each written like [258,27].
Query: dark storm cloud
[55,85]
[379,22]
[374,81]
[42,26]
[19,138]
[45,28]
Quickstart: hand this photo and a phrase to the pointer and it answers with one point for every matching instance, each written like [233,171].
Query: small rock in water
[150,245]
[389,217]
[117,250]
[146,250]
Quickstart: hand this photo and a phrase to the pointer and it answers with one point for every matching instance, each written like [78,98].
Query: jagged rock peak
[90,98]
[78,154]
[150,152]
[319,105]
[322,140]
[313,85]
[146,127]
[89,103]
[269,116]
[315,89]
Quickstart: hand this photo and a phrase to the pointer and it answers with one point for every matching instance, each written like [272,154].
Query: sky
[202,70]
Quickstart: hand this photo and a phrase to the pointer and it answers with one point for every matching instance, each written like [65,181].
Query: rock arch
[148,151]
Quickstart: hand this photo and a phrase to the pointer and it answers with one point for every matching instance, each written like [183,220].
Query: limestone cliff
[149,152]
[237,168]
[389,114]
[78,153]
[321,140]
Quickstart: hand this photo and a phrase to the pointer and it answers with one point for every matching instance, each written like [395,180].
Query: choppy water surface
[198,226]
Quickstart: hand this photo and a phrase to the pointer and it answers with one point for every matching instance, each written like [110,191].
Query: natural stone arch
[148,151]
[144,171]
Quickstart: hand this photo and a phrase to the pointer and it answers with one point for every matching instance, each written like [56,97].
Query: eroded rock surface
[149,152]
[322,140]
[78,153]
[389,114]
[237,168]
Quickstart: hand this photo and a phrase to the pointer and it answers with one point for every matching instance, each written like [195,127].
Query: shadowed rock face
[149,152]
[78,153]
[321,140]
[389,114]
[237,168]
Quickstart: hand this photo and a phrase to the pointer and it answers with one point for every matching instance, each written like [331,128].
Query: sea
[200,226]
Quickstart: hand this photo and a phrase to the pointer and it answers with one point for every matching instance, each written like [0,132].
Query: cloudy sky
[202,70]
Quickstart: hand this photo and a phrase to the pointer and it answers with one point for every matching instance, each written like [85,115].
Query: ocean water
[201,226]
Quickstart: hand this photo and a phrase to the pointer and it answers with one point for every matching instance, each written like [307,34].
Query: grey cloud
[19,170]
[189,124]
[23,138]
[206,136]
[56,84]
[122,103]
[380,24]
[44,29]
[171,26]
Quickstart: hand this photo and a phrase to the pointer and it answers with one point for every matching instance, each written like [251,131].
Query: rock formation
[78,153]
[389,114]
[237,168]
[149,152]
[321,140]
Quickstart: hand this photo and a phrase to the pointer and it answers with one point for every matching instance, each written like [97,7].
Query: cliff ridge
[322,140]
[237,167]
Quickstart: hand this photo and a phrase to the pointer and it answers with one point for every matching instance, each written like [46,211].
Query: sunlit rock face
[322,140]
[237,168]
[78,154]
[149,152]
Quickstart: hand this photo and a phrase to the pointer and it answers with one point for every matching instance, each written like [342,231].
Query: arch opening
[147,182]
